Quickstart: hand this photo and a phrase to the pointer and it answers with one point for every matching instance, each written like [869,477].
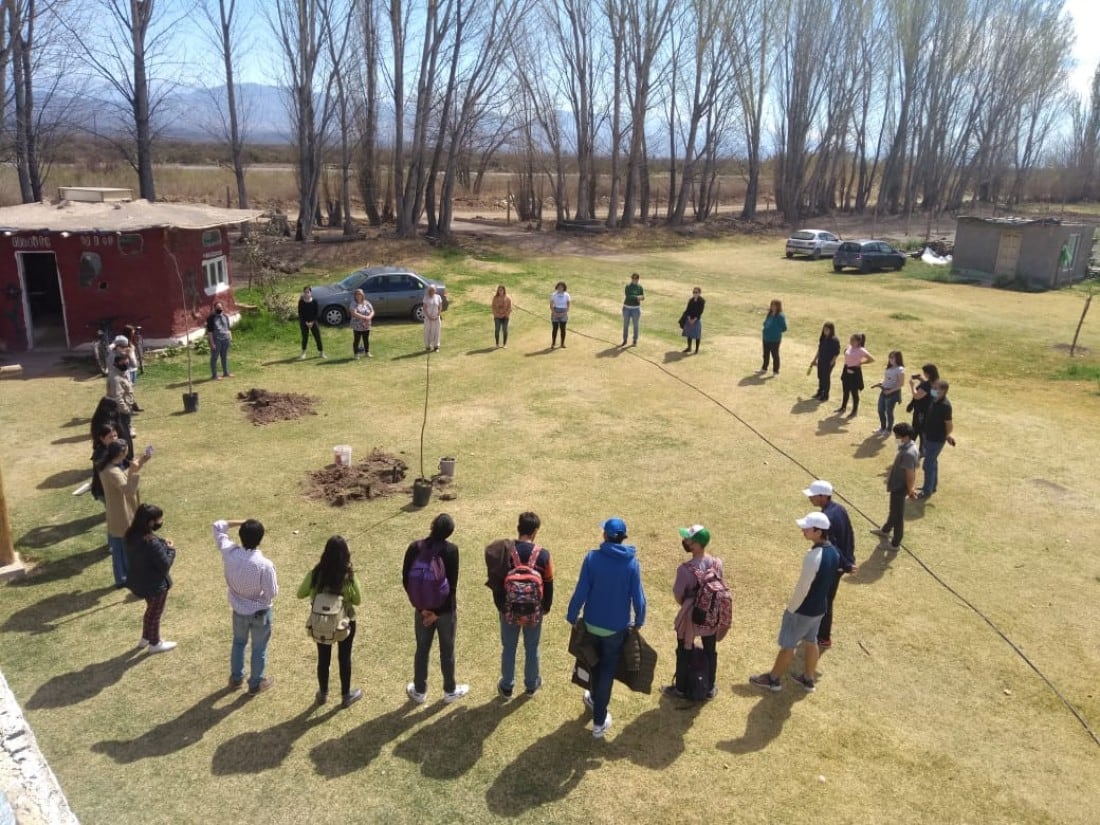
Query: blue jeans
[259,626]
[509,639]
[500,325]
[219,350]
[886,403]
[631,315]
[603,674]
[117,546]
[932,450]
[446,625]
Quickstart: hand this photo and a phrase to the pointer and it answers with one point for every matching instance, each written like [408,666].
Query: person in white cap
[807,605]
[841,536]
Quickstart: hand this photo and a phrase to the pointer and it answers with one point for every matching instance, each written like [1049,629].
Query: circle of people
[608,606]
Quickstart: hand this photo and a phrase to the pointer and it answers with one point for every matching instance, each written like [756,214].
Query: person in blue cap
[610,585]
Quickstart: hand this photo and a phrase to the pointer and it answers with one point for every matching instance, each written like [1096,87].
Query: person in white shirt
[560,302]
[433,308]
[890,391]
[252,588]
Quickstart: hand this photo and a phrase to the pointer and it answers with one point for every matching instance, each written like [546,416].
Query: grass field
[925,712]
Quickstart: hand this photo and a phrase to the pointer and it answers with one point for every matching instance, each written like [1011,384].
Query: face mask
[218,311]
[935,394]
[686,545]
[901,442]
[157,526]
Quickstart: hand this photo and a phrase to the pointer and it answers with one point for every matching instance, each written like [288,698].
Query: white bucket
[341,455]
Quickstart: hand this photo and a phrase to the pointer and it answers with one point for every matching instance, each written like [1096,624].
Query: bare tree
[751,61]
[370,189]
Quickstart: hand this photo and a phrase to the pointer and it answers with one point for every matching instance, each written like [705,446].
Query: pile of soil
[263,407]
[379,475]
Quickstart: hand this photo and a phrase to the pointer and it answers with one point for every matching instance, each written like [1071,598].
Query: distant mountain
[196,114]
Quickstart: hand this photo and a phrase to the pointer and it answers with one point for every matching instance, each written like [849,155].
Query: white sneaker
[357,356]
[161,647]
[419,698]
[323,355]
[456,694]
[144,643]
[598,731]
[302,357]
[369,355]
[587,699]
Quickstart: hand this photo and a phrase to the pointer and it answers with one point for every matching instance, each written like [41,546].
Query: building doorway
[43,305]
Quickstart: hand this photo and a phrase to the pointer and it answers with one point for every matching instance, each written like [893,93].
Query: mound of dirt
[263,407]
[379,475]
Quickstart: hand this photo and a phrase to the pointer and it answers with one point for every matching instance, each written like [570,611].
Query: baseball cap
[818,488]
[121,341]
[696,532]
[818,520]
[615,526]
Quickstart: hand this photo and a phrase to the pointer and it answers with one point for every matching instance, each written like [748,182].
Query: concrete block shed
[96,253]
[1029,253]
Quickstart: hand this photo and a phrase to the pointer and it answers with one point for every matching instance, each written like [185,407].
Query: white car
[816,243]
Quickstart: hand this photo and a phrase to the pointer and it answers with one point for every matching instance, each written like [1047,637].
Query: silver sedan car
[817,243]
[393,291]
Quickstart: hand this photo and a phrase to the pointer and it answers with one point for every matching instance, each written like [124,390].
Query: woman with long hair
[775,324]
[334,574]
[828,348]
[148,559]
[890,391]
[691,321]
[120,477]
[851,377]
[362,314]
[502,311]
[560,302]
[920,385]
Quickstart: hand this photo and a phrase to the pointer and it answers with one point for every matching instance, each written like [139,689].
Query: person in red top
[498,561]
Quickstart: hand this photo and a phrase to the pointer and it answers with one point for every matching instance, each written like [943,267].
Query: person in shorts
[807,605]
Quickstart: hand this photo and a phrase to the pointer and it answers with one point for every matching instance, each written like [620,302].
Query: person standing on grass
[632,306]
[148,559]
[429,575]
[218,336]
[362,314]
[560,302]
[843,538]
[122,391]
[938,427]
[334,574]
[610,584]
[691,322]
[120,477]
[252,588]
[890,391]
[106,434]
[433,320]
[520,617]
[900,484]
[851,377]
[806,607]
[689,578]
[828,348]
[502,311]
[922,398]
[308,313]
[775,324]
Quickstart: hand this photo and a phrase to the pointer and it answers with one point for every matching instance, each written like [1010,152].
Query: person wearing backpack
[610,585]
[705,611]
[429,575]
[521,577]
[333,576]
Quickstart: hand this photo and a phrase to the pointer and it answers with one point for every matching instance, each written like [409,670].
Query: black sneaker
[673,692]
[766,681]
[503,691]
[806,681]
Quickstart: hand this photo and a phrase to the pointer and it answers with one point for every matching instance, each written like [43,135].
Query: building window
[130,244]
[91,267]
[212,237]
[215,275]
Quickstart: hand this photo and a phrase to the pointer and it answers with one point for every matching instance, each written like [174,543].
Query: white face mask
[901,442]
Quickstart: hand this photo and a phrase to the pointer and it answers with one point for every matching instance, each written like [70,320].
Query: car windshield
[803,236]
[352,281]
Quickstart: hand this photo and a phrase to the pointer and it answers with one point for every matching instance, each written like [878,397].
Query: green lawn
[924,714]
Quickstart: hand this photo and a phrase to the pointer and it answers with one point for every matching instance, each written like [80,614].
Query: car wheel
[815,255]
[418,313]
[837,267]
[790,254]
[334,315]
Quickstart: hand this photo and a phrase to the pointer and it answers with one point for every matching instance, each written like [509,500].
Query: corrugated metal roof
[69,216]
[1009,220]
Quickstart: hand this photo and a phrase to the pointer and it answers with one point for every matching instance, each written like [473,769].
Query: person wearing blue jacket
[806,607]
[610,585]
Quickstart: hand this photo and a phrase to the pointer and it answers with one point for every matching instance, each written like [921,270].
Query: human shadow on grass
[64,568]
[870,447]
[48,535]
[766,719]
[482,351]
[263,750]
[276,361]
[832,425]
[72,439]
[175,734]
[611,352]
[360,746]
[753,380]
[562,758]
[805,405]
[80,685]
[874,567]
[77,422]
[66,478]
[44,615]
[675,355]
[419,353]
[655,740]
[453,743]
[544,351]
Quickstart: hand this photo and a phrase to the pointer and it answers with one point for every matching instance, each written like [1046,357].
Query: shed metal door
[1008,254]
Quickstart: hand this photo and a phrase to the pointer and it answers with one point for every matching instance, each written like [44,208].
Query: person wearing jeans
[218,336]
[501,557]
[502,311]
[632,307]
[937,432]
[890,391]
[609,588]
[252,588]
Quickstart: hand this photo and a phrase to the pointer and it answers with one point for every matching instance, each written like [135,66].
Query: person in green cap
[693,619]
[632,307]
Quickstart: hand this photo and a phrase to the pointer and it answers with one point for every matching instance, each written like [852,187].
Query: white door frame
[28,321]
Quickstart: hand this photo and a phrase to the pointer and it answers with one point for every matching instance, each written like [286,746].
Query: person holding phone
[149,558]
[120,478]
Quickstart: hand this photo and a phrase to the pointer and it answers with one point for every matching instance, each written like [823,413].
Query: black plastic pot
[190,402]
[422,492]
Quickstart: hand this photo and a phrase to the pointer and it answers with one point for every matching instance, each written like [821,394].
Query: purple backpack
[428,587]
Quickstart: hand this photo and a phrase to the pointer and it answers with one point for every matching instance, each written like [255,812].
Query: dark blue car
[866,256]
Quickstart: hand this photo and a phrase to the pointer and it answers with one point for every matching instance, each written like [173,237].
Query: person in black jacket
[148,559]
[308,313]
[691,322]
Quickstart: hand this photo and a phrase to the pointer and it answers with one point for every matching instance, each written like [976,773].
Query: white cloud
[1086,19]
